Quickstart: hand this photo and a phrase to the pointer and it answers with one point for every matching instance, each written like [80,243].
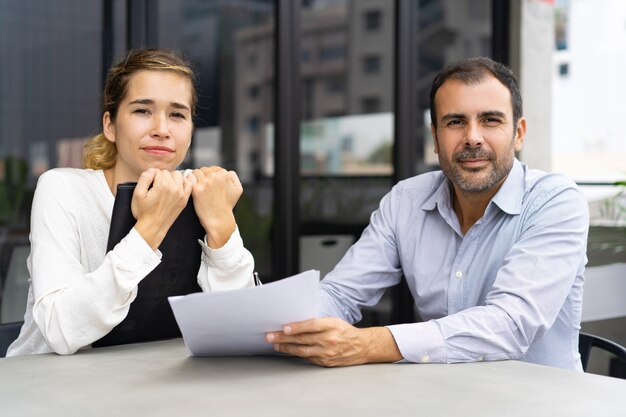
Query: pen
[257,280]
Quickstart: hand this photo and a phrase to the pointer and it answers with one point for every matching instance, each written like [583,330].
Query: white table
[160,379]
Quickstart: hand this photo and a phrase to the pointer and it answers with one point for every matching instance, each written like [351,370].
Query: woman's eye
[141,111]
[178,115]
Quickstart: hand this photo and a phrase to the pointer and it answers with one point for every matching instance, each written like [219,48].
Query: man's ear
[433,131]
[520,133]
[108,127]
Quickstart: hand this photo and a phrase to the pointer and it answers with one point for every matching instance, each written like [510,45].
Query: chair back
[587,341]
[8,334]
[16,285]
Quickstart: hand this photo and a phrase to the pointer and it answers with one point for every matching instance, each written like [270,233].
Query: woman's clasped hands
[161,195]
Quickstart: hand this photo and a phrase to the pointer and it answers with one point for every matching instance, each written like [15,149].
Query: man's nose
[473,135]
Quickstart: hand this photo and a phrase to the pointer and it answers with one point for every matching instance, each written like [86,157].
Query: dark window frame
[142,31]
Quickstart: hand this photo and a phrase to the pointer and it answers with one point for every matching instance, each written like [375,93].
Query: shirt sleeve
[230,267]
[529,291]
[74,307]
[369,267]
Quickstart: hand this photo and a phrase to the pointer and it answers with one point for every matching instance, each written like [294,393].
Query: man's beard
[497,169]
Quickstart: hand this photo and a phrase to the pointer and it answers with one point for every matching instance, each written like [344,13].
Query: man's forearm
[381,346]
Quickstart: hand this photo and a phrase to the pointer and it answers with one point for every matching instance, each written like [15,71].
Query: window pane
[347,100]
[347,133]
[587,135]
[50,83]
[231,47]
[446,32]
[588,90]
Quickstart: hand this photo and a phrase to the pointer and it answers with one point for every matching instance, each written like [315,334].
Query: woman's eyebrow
[148,101]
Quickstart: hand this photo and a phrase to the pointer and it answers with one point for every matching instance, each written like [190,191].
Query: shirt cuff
[135,255]
[229,251]
[420,342]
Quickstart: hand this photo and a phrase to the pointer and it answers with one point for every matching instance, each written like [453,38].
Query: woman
[78,292]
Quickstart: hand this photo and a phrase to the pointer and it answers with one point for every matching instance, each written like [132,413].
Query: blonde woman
[78,292]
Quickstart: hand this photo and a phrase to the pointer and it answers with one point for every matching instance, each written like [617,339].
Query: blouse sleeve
[73,307]
[230,267]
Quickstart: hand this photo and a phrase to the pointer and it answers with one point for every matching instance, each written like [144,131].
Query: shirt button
[459,274]
[425,358]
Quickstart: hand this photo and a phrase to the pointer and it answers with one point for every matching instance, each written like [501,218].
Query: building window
[335,85]
[478,10]
[370,105]
[332,52]
[253,124]
[371,64]
[307,99]
[563,70]
[252,60]
[253,92]
[305,55]
[372,20]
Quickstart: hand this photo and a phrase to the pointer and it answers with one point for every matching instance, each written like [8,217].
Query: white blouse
[78,292]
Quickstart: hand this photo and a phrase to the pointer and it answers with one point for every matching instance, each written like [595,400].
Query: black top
[150,316]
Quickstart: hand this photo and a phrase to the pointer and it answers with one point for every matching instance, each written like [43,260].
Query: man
[493,252]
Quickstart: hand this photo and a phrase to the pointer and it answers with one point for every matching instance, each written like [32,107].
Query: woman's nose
[160,128]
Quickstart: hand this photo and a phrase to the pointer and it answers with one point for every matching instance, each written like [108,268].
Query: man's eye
[455,123]
[491,121]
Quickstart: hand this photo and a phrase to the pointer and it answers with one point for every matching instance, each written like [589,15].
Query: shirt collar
[508,198]
[441,196]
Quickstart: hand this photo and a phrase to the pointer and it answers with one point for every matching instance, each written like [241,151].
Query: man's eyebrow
[451,116]
[493,113]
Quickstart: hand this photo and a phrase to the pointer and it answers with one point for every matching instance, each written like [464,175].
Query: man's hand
[215,194]
[334,342]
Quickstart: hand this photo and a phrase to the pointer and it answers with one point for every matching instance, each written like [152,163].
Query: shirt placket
[458,279]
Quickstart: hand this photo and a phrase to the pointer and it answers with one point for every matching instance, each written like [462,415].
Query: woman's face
[153,126]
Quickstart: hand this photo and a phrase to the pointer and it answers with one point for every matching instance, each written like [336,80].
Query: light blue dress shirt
[510,288]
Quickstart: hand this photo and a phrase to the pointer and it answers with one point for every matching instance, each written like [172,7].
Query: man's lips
[159,150]
[473,163]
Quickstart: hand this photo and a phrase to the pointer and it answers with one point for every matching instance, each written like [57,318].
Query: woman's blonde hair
[99,152]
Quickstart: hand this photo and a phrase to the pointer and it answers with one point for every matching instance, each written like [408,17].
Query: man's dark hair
[472,71]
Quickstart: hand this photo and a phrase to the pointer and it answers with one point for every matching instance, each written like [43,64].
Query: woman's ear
[108,127]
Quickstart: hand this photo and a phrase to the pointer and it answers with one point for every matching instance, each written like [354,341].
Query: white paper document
[235,322]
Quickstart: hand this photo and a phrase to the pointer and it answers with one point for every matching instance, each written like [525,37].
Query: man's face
[475,138]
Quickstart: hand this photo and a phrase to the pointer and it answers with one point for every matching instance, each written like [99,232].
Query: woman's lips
[158,150]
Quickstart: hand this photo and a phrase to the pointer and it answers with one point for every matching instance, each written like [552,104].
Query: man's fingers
[309,326]
[302,351]
[303,332]
[298,339]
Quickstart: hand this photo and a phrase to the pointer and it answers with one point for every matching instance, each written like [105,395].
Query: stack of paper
[235,322]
